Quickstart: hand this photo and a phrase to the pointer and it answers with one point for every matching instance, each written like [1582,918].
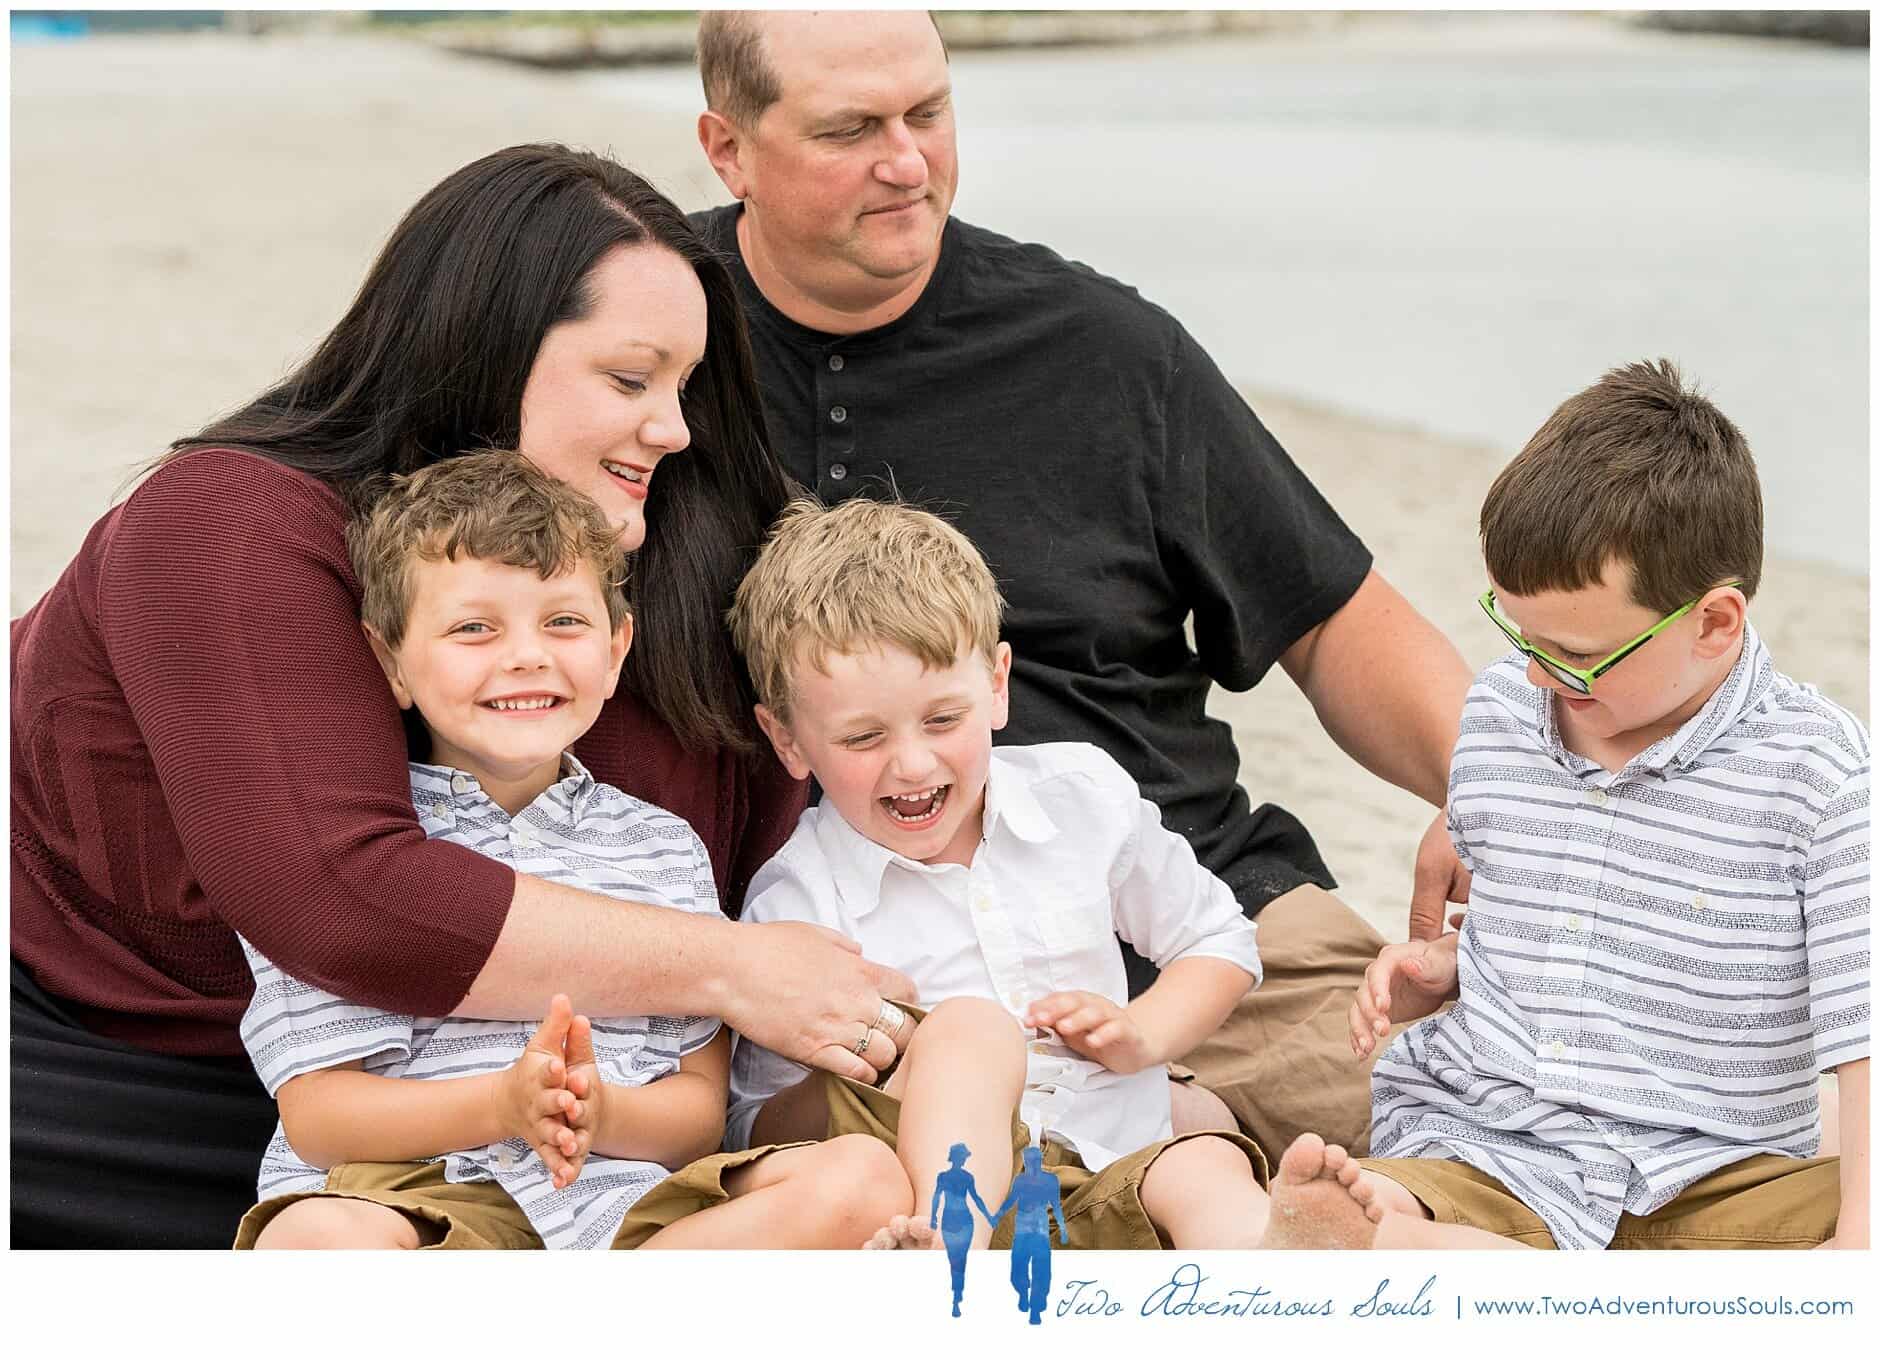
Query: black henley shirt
[1116,484]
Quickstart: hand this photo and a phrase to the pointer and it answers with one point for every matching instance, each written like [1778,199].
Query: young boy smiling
[998,881]
[1667,934]
[492,598]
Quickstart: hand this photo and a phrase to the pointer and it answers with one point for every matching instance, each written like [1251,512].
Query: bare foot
[1319,1203]
[902,1234]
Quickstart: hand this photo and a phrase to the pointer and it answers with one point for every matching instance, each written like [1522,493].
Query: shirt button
[462,783]
[837,471]
[835,363]
[1041,1048]
[1700,901]
[1599,798]
[440,810]
[505,1158]
[981,902]
[1557,1049]
[1015,1001]
[838,414]
[1573,923]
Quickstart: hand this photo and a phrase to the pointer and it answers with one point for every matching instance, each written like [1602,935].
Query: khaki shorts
[1103,1210]
[480,1215]
[1760,1202]
[1282,1061]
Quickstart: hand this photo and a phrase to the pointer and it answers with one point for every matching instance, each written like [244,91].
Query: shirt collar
[1742,689]
[572,790]
[858,864]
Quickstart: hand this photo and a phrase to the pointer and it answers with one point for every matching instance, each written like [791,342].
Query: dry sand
[190,214]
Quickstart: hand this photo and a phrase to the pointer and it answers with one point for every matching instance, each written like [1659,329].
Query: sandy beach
[191,213]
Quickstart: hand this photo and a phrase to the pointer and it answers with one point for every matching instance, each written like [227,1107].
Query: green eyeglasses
[1574,677]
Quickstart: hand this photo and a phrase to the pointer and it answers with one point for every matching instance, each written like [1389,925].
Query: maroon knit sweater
[203,744]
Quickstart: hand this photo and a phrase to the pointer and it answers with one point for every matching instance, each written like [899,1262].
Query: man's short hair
[740,83]
[492,505]
[862,575]
[1638,468]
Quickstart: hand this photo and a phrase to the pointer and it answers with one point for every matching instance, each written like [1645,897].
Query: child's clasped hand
[550,1095]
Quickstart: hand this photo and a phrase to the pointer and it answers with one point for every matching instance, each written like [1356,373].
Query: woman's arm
[797,989]
[229,612]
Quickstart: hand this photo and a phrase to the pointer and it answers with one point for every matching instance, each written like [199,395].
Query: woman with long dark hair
[203,743]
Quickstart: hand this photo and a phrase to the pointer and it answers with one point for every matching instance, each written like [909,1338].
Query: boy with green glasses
[1667,933]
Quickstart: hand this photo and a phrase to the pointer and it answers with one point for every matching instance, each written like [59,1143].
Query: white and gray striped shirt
[582,833]
[1656,964]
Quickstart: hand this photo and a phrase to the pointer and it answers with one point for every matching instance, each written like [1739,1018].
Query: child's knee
[1196,1166]
[337,1225]
[858,1179]
[987,1027]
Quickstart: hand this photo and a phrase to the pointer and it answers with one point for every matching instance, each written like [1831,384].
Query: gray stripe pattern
[582,833]
[1656,964]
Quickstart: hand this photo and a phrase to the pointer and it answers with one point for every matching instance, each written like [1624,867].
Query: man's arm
[1387,687]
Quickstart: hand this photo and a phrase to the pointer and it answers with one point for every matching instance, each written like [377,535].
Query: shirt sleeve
[1250,543]
[1836,905]
[1163,901]
[230,615]
[292,1027]
[757,1074]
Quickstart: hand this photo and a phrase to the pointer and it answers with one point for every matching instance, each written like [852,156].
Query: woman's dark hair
[431,360]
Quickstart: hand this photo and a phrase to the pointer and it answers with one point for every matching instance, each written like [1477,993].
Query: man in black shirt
[1113,479]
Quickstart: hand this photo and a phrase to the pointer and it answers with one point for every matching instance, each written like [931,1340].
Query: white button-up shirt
[1071,857]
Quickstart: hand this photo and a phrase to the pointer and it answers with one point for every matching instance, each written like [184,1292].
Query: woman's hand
[532,1098]
[806,992]
[1407,982]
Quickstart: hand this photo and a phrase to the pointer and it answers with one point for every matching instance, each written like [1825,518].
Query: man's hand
[1094,1026]
[532,1097]
[1407,982]
[589,1091]
[807,993]
[1439,880]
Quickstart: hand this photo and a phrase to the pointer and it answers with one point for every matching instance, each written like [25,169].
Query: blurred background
[1406,237]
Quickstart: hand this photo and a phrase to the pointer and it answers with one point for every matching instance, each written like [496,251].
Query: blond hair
[492,505]
[865,574]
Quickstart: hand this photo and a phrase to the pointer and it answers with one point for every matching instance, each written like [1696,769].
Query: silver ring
[861,1045]
[891,1019]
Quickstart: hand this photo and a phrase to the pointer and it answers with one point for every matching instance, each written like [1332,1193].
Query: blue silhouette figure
[1035,1192]
[952,1190]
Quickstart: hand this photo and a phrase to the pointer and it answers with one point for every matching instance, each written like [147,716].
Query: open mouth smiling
[917,809]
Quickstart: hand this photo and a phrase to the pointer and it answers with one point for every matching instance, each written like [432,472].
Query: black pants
[115,1146]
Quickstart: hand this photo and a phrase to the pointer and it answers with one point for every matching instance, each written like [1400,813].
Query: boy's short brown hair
[864,574]
[1638,469]
[493,505]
